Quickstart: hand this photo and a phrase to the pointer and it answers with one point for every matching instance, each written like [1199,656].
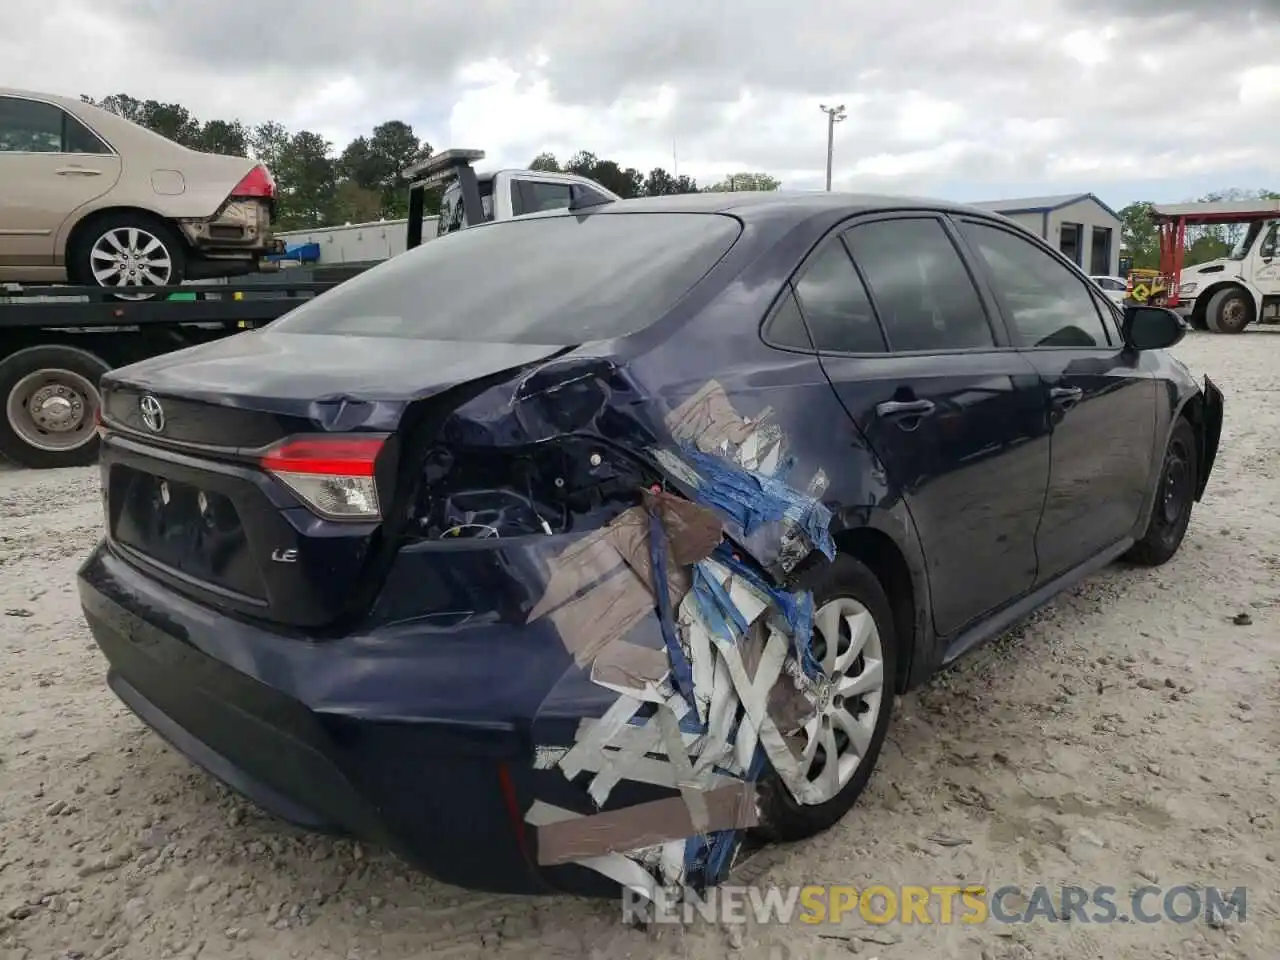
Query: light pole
[834,116]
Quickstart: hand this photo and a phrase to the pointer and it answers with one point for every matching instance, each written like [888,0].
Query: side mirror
[1152,328]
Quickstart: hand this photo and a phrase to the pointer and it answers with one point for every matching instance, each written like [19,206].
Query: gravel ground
[1125,735]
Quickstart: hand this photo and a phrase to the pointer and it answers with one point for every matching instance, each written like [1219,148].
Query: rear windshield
[556,280]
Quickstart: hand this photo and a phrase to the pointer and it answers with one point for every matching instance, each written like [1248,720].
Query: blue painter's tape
[723,843]
[795,609]
[710,609]
[727,609]
[750,500]
[681,672]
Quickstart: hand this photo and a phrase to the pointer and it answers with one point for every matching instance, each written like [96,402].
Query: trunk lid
[188,499]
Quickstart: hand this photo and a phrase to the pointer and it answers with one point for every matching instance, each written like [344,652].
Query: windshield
[554,280]
[1245,243]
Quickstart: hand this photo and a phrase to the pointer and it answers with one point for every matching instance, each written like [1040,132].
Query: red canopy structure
[1172,220]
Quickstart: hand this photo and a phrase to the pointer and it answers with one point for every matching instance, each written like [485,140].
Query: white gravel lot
[1127,735]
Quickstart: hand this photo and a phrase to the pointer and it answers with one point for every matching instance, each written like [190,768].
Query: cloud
[1052,93]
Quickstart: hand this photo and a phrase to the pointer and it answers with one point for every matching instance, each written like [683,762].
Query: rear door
[50,166]
[1100,397]
[953,414]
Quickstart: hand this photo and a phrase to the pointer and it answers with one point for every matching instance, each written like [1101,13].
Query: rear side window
[533,196]
[786,326]
[554,280]
[836,305]
[1047,303]
[28,126]
[921,288]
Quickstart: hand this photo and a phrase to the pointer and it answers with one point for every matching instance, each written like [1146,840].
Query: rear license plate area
[186,528]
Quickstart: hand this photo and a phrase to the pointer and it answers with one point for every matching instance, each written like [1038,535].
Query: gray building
[1084,228]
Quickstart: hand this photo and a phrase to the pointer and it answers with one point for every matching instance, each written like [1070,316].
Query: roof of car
[36,95]
[777,204]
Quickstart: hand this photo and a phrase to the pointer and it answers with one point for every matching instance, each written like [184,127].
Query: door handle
[1065,397]
[905,408]
[77,171]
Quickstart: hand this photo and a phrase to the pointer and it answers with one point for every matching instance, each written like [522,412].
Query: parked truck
[1228,294]
[500,194]
[56,341]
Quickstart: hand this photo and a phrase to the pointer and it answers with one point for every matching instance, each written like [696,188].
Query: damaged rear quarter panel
[632,675]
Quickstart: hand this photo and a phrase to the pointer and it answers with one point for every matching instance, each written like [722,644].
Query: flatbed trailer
[56,341]
[1228,294]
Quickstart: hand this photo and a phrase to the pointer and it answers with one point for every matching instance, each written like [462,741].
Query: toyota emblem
[152,413]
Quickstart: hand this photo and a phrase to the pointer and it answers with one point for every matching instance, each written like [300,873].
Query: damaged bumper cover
[240,229]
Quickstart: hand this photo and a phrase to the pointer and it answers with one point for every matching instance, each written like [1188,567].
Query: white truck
[499,195]
[1225,295]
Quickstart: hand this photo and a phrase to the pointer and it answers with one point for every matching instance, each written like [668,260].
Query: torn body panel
[691,647]
[240,229]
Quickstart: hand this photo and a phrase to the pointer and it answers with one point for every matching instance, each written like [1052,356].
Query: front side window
[1268,248]
[1048,305]
[921,288]
[555,280]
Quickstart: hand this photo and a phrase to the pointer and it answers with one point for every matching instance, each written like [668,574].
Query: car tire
[1174,497]
[847,582]
[146,245]
[1230,310]
[48,406]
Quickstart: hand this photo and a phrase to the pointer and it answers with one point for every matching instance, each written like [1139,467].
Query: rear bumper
[298,727]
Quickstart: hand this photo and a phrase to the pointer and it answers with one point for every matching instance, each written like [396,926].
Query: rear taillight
[334,476]
[256,183]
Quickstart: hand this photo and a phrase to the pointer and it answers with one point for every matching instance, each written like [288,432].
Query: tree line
[318,185]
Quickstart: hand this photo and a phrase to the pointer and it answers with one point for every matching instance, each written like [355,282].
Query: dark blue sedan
[575,551]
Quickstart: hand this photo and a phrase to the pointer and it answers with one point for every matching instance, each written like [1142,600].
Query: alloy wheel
[130,257]
[847,645]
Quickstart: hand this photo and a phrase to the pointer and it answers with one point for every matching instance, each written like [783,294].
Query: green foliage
[364,181]
[747,180]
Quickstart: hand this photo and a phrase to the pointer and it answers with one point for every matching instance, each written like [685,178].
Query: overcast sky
[991,99]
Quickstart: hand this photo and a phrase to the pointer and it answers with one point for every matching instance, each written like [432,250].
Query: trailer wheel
[50,399]
[1230,310]
[127,249]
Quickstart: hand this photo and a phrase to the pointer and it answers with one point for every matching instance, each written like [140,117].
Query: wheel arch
[80,228]
[1201,306]
[905,586]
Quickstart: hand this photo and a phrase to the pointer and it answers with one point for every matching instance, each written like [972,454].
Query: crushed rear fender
[690,663]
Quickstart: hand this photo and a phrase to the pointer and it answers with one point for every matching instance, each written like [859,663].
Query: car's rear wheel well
[877,551]
[80,232]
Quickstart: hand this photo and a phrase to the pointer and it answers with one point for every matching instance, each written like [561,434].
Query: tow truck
[1228,294]
[56,341]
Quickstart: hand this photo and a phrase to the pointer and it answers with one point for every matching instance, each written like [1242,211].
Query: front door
[1101,398]
[50,166]
[907,344]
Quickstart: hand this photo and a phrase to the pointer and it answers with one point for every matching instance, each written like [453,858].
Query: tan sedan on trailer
[92,198]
